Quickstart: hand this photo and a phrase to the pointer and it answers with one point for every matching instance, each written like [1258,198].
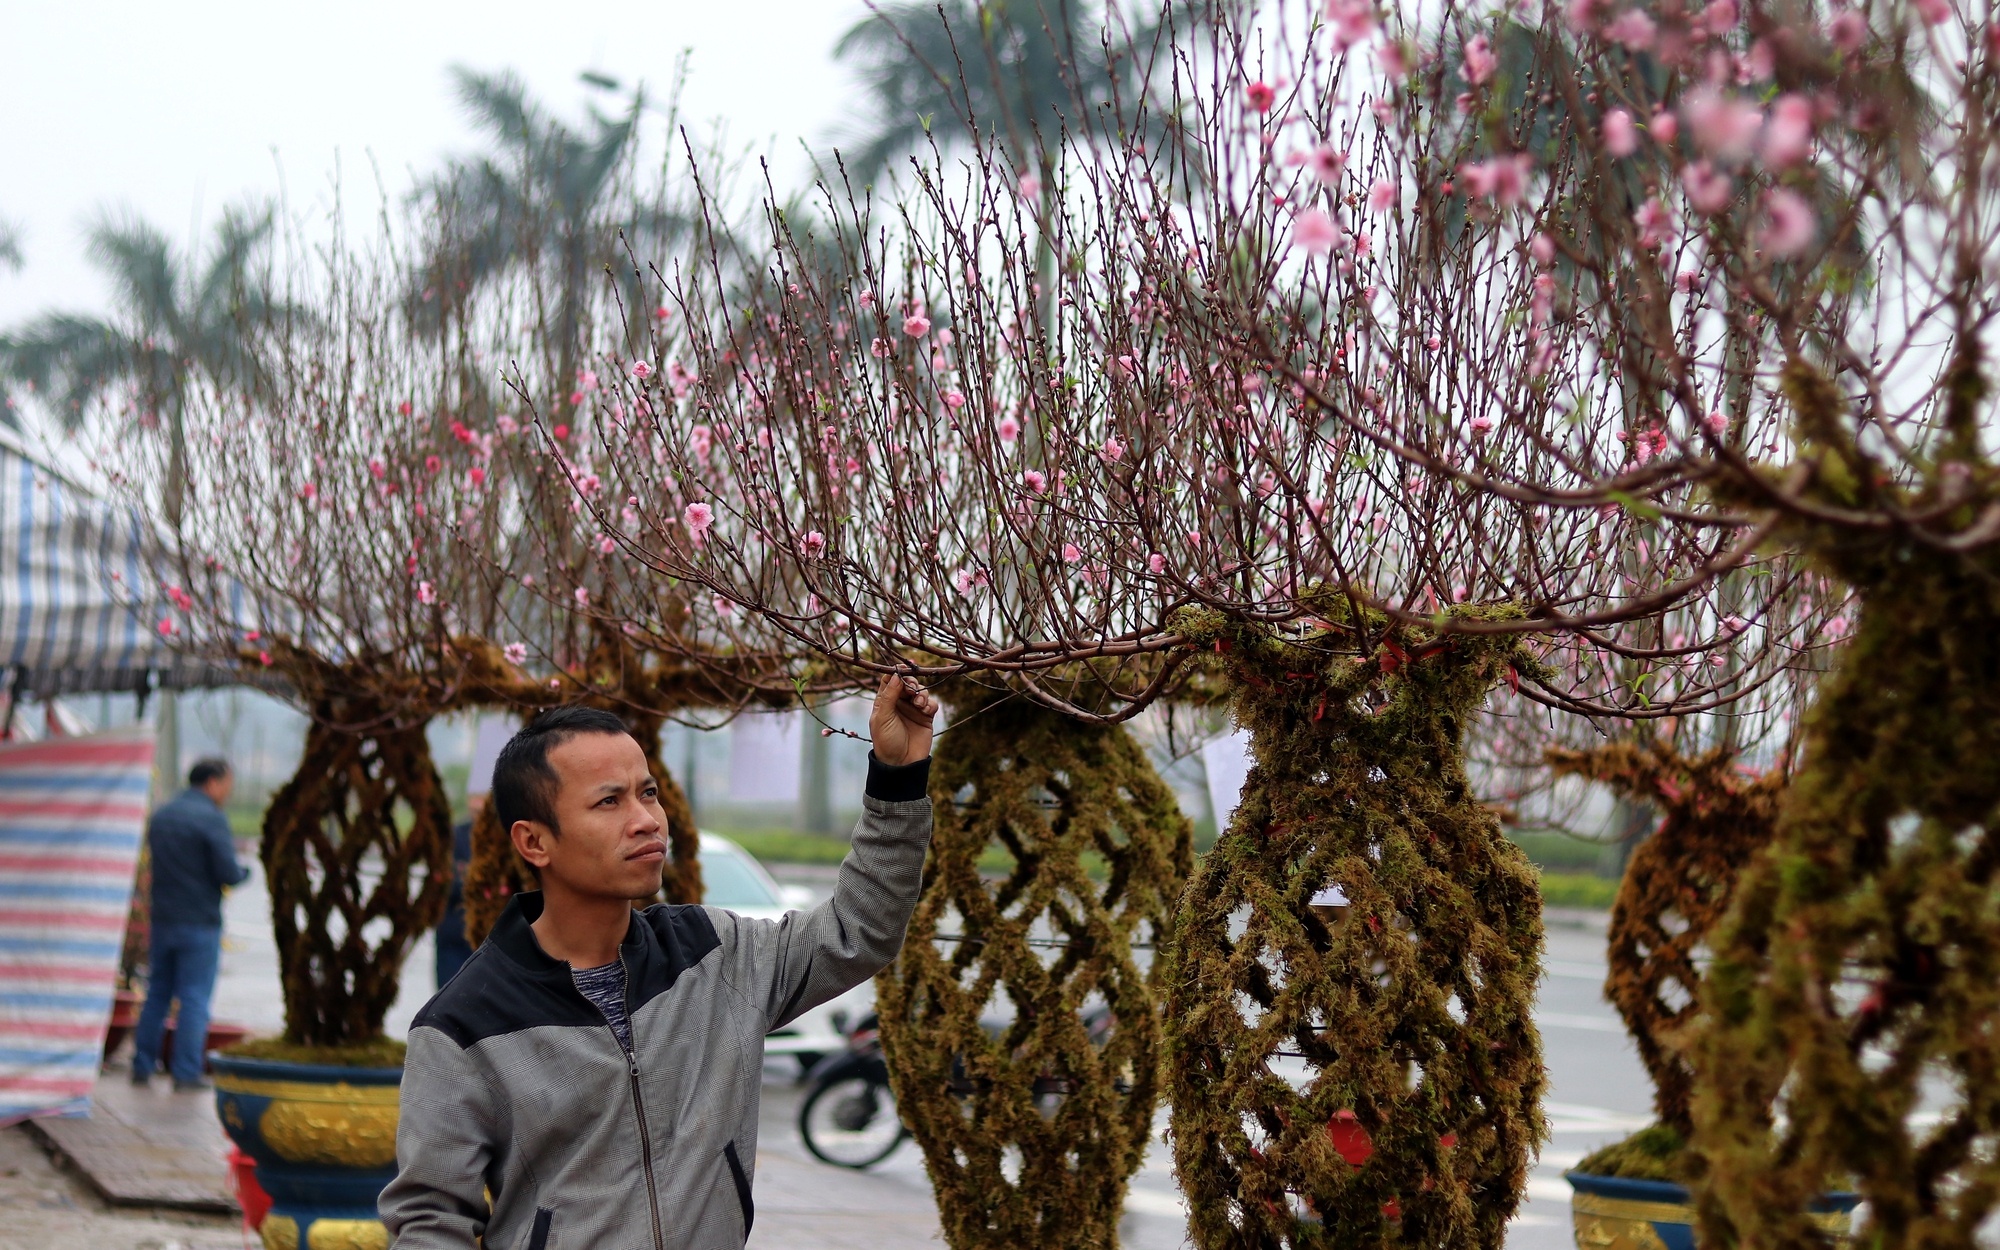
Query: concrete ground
[44,1206]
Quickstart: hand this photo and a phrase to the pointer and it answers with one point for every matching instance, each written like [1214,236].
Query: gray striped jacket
[516,1087]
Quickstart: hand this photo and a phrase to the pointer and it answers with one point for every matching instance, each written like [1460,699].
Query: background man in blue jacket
[193,860]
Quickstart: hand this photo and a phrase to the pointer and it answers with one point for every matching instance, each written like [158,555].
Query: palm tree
[172,325]
[1020,71]
[544,198]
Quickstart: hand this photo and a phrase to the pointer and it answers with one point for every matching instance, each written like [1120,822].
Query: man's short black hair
[205,771]
[524,785]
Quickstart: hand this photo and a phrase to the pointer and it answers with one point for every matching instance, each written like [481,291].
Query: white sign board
[1228,763]
[764,757]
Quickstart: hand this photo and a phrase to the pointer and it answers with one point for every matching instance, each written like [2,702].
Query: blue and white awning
[71,569]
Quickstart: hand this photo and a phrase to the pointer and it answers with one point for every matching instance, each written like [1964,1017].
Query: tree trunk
[1097,850]
[361,834]
[1350,1058]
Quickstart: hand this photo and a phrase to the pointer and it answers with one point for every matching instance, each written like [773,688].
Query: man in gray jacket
[591,1077]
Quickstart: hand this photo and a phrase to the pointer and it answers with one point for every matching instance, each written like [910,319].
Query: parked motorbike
[849,1115]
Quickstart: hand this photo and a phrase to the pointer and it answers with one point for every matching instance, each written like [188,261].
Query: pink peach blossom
[1656,224]
[1621,138]
[1353,21]
[1071,553]
[698,517]
[813,545]
[1034,481]
[1543,249]
[1480,63]
[916,325]
[641,370]
[1723,127]
[1708,188]
[582,596]
[1789,227]
[1156,563]
[1633,29]
[426,593]
[1259,97]
[1314,231]
[1934,12]
[1665,127]
[1381,196]
[1009,429]
[1328,163]
[1502,178]
[516,653]
[1789,133]
[1848,31]
[1113,450]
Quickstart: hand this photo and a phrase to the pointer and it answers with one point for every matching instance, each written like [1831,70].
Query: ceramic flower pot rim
[315,1073]
[1677,1195]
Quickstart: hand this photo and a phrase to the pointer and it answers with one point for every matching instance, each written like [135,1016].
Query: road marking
[1153,1202]
[1548,1189]
[1573,1020]
[1575,968]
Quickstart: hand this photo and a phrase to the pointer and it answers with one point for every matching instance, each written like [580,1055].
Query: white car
[733,879]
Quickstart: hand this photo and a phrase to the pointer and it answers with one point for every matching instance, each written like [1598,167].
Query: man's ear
[531,842]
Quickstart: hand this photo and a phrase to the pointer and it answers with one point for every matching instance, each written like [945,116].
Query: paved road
[1598,1093]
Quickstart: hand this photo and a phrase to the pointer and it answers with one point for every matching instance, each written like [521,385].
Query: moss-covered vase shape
[1021,1021]
[1350,1057]
[324,1141]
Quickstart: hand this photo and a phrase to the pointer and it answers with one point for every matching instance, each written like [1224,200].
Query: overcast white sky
[176,109]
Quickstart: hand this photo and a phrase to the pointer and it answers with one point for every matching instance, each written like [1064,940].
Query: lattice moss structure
[1859,968]
[1676,888]
[1096,851]
[361,834]
[1359,1072]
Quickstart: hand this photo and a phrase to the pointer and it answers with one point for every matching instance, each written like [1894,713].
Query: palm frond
[141,264]
[10,248]
[69,358]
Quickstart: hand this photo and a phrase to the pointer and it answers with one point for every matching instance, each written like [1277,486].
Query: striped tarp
[72,813]
[75,592]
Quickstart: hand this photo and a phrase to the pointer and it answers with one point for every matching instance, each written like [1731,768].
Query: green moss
[377,1052]
[788,846]
[1654,1153]
[1571,889]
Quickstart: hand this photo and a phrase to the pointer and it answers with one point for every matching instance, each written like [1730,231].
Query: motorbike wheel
[851,1122]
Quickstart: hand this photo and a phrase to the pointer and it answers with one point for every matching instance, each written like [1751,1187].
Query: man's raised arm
[792,965]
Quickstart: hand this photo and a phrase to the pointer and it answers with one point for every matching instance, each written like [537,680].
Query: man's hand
[900,724]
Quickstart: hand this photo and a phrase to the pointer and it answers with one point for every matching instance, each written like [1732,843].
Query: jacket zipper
[638,1109]
[645,1147]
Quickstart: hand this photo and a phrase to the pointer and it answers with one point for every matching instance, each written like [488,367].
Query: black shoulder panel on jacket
[509,984]
[682,936]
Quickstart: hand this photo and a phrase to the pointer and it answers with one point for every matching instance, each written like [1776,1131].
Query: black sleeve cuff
[898,783]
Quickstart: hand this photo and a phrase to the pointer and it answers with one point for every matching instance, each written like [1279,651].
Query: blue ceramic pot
[324,1140]
[1612,1213]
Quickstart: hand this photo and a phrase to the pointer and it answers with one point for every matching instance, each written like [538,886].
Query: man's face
[608,808]
[220,788]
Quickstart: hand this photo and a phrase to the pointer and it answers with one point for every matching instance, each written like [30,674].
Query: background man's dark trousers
[184,960]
